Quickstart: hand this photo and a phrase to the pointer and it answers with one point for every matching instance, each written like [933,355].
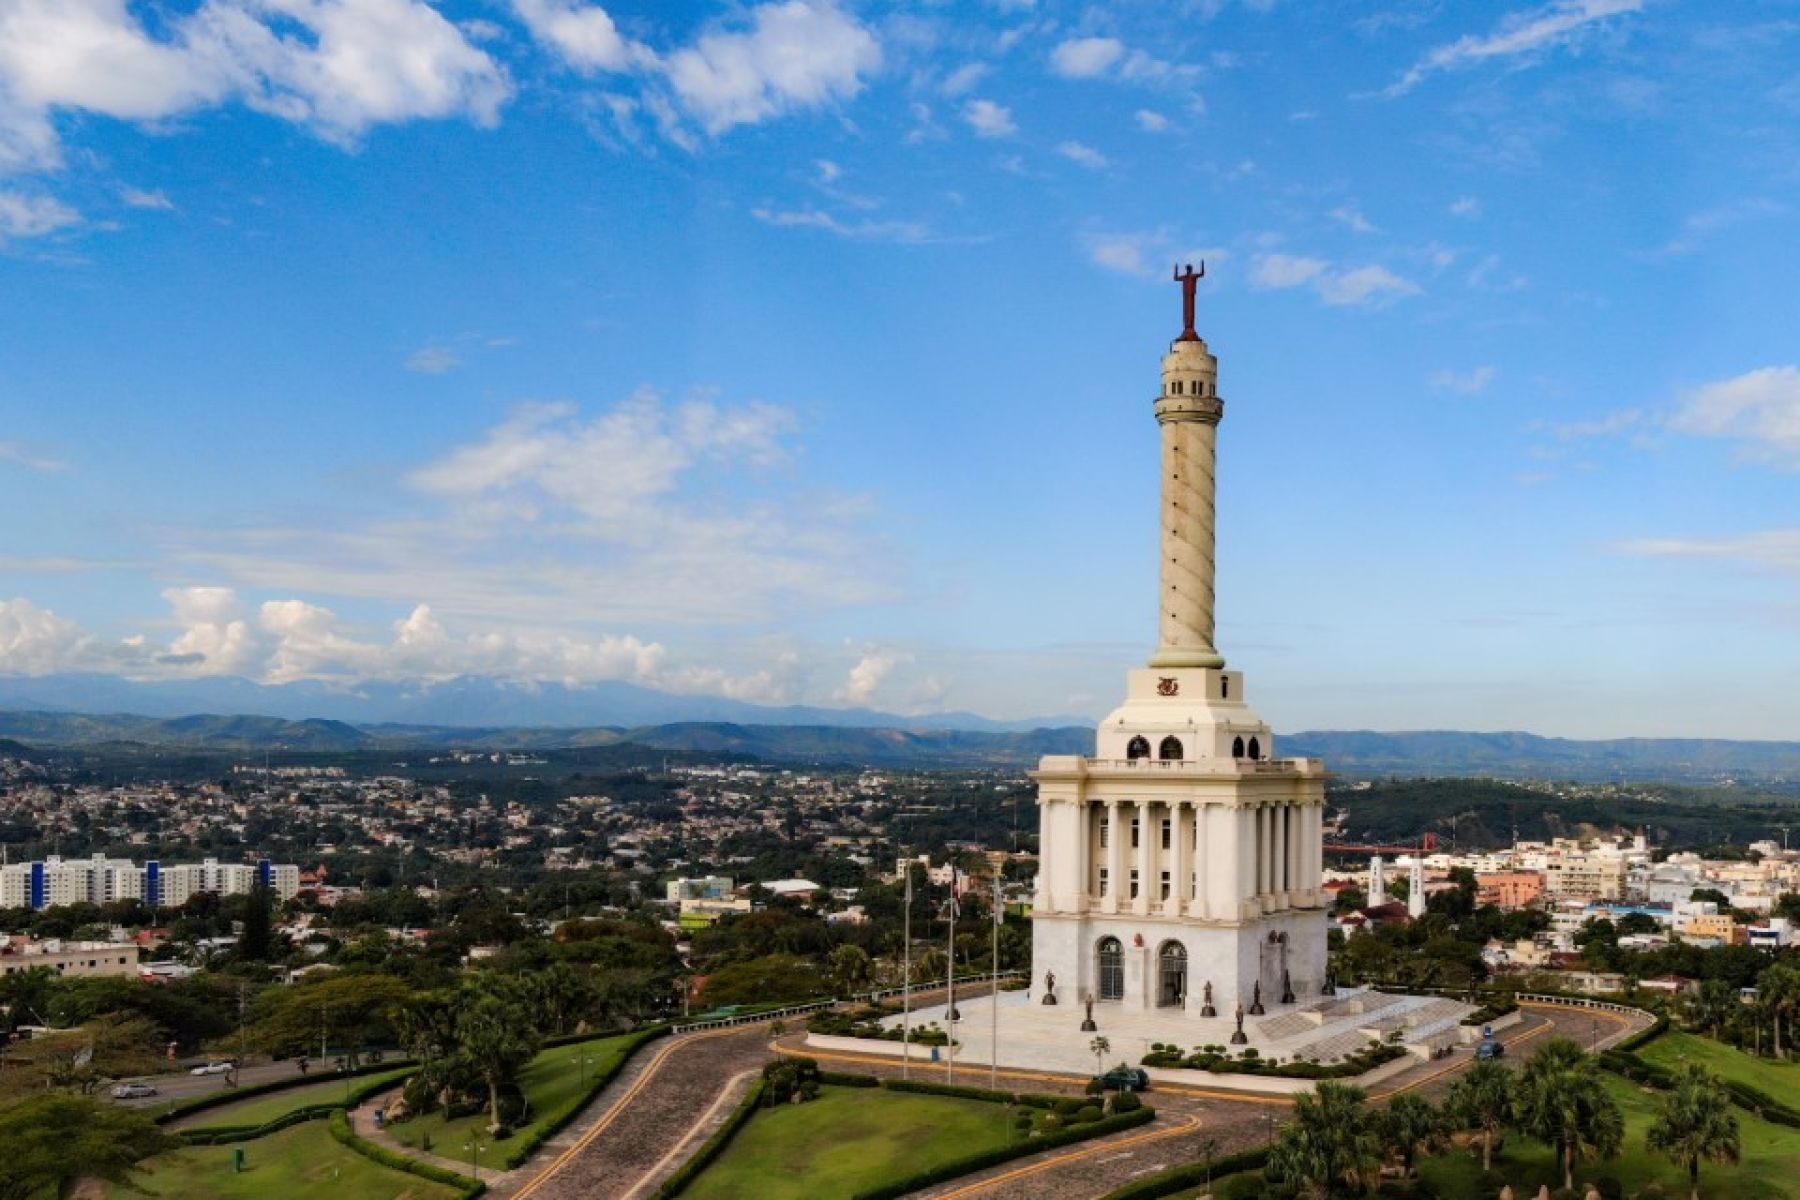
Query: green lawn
[259,1110]
[552,1080]
[847,1140]
[301,1163]
[1778,1079]
[1770,1167]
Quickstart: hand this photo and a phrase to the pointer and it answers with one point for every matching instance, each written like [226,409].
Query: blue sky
[804,352]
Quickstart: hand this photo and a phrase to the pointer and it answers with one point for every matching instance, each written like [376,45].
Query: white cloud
[336,66]
[796,54]
[433,360]
[24,216]
[1465,206]
[1610,425]
[1150,121]
[1773,549]
[12,452]
[828,171]
[1084,58]
[1759,409]
[1362,286]
[1520,34]
[1352,219]
[137,198]
[963,78]
[811,218]
[1700,225]
[582,35]
[35,641]
[1086,155]
[1469,383]
[988,119]
[1356,287]
[1284,270]
[865,678]
[1122,252]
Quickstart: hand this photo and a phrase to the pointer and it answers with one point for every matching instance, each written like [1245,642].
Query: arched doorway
[1237,747]
[1256,748]
[1171,975]
[1137,747]
[1109,962]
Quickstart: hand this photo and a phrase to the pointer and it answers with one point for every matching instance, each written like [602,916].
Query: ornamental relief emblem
[1167,685]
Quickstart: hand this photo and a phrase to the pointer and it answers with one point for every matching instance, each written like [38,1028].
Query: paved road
[180,1085]
[650,1119]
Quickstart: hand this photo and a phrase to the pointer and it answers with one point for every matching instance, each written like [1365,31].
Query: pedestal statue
[1206,1004]
[1287,987]
[1049,987]
[1256,1004]
[1238,1038]
[1088,1026]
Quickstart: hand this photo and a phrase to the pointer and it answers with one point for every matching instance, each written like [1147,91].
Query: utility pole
[950,980]
[994,994]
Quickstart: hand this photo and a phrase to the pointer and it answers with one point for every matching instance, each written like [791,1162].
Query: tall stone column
[1083,853]
[1149,837]
[1189,411]
[1180,858]
[1116,834]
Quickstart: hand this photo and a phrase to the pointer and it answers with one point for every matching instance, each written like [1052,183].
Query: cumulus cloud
[797,54]
[35,641]
[26,216]
[1760,410]
[1078,152]
[1343,288]
[1084,58]
[866,678]
[582,35]
[988,119]
[335,66]
[1519,35]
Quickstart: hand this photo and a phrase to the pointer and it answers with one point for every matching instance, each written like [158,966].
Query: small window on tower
[1224,687]
[1171,749]
[1255,748]
[1175,387]
[1237,747]
[1134,833]
[1138,747]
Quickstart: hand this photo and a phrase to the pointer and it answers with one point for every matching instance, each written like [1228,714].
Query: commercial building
[19,954]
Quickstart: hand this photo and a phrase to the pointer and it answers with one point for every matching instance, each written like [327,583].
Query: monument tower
[1183,859]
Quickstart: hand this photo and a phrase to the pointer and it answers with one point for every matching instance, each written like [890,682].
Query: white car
[213,1068]
[133,1091]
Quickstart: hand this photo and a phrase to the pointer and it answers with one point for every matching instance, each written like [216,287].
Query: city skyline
[803,352]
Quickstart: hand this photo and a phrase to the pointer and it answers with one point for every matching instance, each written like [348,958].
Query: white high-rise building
[1184,855]
[100,880]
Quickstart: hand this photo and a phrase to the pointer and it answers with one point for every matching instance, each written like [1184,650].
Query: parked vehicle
[1490,1049]
[214,1068]
[1125,1079]
[133,1091]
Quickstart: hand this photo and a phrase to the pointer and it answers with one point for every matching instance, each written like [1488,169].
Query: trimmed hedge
[559,1120]
[1493,1010]
[182,1108]
[218,1135]
[1190,1175]
[1000,1154]
[689,1171]
[948,1089]
[840,1079]
[339,1127]
[1644,1037]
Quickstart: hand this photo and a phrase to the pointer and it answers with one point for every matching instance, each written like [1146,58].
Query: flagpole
[906,977]
[994,996]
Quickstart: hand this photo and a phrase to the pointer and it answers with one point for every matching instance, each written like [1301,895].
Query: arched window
[1171,749]
[1109,962]
[1255,748]
[1237,747]
[1175,387]
[1138,747]
[1171,975]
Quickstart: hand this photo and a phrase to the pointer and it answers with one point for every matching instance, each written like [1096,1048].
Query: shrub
[1085,1114]
[1094,1087]
[1126,1102]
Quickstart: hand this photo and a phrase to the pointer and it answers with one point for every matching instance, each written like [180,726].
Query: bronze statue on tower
[1189,279]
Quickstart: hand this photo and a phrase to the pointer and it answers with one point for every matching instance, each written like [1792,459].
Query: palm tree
[1778,991]
[1710,1007]
[493,1041]
[1482,1098]
[851,969]
[1408,1123]
[1330,1147]
[1098,1048]
[1562,1101]
[1695,1123]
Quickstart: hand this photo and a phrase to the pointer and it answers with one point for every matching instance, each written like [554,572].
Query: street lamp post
[474,1147]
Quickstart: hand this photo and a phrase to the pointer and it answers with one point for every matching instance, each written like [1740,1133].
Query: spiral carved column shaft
[1190,427]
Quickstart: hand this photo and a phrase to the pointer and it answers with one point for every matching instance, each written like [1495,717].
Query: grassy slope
[1770,1167]
[847,1140]
[259,1110]
[302,1163]
[1780,1080]
[552,1080]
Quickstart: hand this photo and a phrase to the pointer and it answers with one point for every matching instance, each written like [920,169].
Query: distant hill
[1357,754]
[463,703]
